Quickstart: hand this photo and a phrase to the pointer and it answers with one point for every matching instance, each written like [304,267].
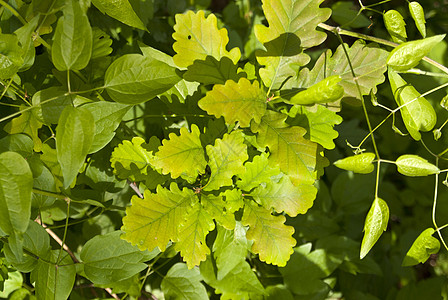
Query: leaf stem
[436,186]
[13,11]
[65,233]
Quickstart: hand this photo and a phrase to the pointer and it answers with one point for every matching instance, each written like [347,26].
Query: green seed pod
[414,165]
[395,25]
[418,15]
[327,90]
[361,163]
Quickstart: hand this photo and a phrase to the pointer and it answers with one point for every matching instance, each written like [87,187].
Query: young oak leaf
[226,159]
[154,220]
[131,152]
[283,196]
[295,155]
[181,155]
[273,239]
[292,27]
[191,243]
[197,37]
[257,172]
[240,102]
[219,210]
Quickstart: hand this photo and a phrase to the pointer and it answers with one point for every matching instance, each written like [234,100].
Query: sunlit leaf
[197,37]
[418,15]
[25,35]
[273,239]
[422,248]
[219,210]
[131,152]
[154,221]
[295,155]
[325,91]
[283,196]
[237,101]
[72,40]
[257,172]
[182,283]
[120,10]
[292,27]
[417,113]
[376,222]
[74,137]
[361,163]
[414,165]
[395,25]
[11,55]
[16,184]
[101,43]
[181,155]
[192,232]
[226,159]
[28,124]
[134,78]
[119,260]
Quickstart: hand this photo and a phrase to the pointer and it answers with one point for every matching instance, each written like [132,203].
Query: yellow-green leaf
[120,10]
[28,124]
[238,102]
[414,165]
[325,91]
[131,152]
[422,248]
[376,222]
[198,37]
[219,210]
[257,172]
[273,240]
[395,25]
[418,14]
[361,163]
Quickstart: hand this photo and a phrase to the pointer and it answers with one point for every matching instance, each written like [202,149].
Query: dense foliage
[223,149]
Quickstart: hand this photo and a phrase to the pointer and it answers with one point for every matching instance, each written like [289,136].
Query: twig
[135,188]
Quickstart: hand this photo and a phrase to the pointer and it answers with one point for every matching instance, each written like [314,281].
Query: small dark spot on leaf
[189,37]
[102,37]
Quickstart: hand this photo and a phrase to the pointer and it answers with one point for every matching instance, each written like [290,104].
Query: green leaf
[283,196]
[230,249]
[134,78]
[154,221]
[292,27]
[237,101]
[11,55]
[50,159]
[72,40]
[181,155]
[226,159]
[257,172]
[182,283]
[361,163]
[318,123]
[295,155]
[395,25]
[234,200]
[120,10]
[107,116]
[414,165]
[219,210]
[25,36]
[417,113]
[74,136]
[212,71]
[273,239]
[376,222]
[197,37]
[408,55]
[192,232]
[131,152]
[418,14]
[16,184]
[28,124]
[119,260]
[368,62]
[325,91]
[101,43]
[422,248]
[54,280]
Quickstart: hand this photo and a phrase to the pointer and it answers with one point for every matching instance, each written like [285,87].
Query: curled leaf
[422,248]
[327,90]
[376,222]
[395,25]
[408,55]
[414,165]
[418,15]
[361,163]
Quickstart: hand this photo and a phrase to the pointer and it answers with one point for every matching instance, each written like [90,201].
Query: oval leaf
[376,222]
[414,165]
[422,248]
[409,54]
[11,55]
[361,163]
[134,78]
[395,25]
[72,40]
[325,91]
[74,136]
[120,10]
[418,15]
